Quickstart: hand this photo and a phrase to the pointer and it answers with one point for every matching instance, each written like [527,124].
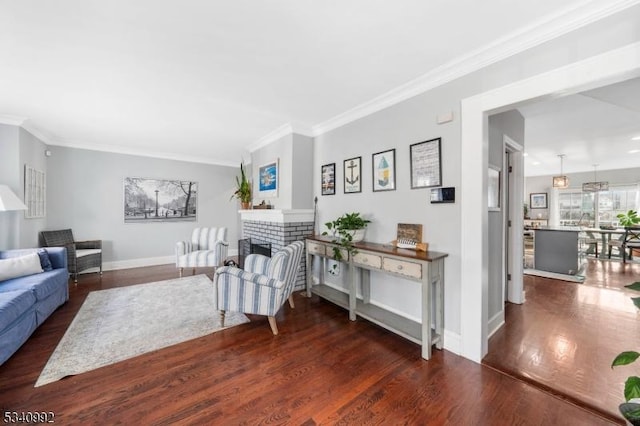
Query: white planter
[357,235]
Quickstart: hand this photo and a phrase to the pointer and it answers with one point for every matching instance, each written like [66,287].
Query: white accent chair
[208,248]
[262,287]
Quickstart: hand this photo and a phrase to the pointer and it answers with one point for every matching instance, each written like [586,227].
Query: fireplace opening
[248,246]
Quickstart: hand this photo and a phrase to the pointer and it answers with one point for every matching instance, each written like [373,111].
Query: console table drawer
[367,259]
[410,269]
[314,248]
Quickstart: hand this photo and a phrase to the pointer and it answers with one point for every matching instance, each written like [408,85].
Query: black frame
[373,170]
[546,203]
[344,175]
[331,189]
[414,161]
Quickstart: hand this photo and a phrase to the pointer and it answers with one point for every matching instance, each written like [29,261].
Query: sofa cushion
[42,285]
[20,266]
[13,304]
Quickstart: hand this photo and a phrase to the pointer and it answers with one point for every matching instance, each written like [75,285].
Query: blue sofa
[25,302]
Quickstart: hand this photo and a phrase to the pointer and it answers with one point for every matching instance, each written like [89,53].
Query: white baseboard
[452,342]
[141,262]
[495,323]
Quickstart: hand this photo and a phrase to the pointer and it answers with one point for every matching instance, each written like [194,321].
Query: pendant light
[595,186]
[560,181]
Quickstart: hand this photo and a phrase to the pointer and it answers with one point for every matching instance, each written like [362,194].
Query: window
[579,208]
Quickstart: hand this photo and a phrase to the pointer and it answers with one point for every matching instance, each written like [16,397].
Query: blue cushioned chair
[262,287]
[208,248]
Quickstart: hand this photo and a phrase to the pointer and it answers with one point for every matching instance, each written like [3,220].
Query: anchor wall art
[351,172]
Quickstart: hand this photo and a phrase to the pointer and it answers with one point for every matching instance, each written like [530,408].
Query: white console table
[426,268]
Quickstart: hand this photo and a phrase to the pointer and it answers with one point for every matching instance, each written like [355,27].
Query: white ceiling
[593,127]
[205,80]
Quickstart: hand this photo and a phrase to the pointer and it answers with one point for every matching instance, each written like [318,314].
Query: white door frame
[515,243]
[607,68]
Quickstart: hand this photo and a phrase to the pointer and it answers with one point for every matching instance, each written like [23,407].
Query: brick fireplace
[280,228]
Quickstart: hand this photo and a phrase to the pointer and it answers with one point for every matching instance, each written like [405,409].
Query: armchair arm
[183,247]
[242,291]
[256,263]
[90,244]
[221,248]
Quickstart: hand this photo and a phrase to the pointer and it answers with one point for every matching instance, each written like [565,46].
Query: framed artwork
[268,179]
[383,167]
[426,164]
[493,188]
[329,179]
[538,200]
[159,200]
[352,176]
[35,193]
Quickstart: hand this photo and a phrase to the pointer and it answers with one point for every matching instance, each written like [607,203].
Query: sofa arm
[91,244]
[57,256]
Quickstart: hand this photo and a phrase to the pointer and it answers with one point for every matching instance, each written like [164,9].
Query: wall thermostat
[443,195]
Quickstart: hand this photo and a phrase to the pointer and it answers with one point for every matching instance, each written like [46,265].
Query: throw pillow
[20,266]
[45,262]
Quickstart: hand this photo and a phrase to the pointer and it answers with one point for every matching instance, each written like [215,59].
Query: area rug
[563,277]
[120,323]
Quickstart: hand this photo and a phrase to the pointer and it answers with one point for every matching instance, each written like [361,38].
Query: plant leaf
[634,286]
[632,415]
[632,388]
[636,301]
[625,358]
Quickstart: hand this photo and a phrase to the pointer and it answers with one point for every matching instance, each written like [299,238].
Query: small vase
[245,206]
[357,235]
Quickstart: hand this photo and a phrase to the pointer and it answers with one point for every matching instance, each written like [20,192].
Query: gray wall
[32,153]
[510,123]
[85,193]
[302,185]
[413,120]
[10,176]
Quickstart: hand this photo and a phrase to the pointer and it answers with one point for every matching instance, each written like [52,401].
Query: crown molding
[45,137]
[143,153]
[12,120]
[280,132]
[539,32]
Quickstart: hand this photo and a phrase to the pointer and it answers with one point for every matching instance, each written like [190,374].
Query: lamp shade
[9,200]
[560,182]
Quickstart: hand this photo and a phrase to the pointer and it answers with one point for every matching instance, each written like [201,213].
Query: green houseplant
[346,230]
[630,409]
[243,191]
[628,219]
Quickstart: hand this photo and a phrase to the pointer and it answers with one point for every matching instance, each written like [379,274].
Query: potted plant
[630,409]
[243,192]
[629,219]
[346,230]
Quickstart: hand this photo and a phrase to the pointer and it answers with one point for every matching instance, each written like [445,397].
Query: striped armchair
[262,287]
[207,248]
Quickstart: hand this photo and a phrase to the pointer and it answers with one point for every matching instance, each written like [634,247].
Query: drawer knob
[399,267]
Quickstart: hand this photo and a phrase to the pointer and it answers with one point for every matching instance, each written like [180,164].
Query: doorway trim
[515,243]
[600,70]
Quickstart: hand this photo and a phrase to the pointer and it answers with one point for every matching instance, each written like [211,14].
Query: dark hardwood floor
[565,336]
[321,369]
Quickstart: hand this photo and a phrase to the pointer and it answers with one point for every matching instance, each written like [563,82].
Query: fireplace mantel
[277,216]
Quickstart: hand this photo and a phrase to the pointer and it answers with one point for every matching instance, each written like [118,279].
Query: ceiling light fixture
[595,186]
[635,138]
[634,151]
[561,181]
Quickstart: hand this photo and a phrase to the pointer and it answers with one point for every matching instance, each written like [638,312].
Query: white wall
[85,193]
[10,176]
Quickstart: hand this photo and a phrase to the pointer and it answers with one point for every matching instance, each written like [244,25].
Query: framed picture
[426,164]
[493,188]
[268,179]
[35,192]
[538,200]
[351,173]
[159,200]
[383,168]
[329,179]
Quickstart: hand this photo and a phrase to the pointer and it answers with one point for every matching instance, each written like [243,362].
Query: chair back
[205,238]
[284,264]
[632,237]
[57,238]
